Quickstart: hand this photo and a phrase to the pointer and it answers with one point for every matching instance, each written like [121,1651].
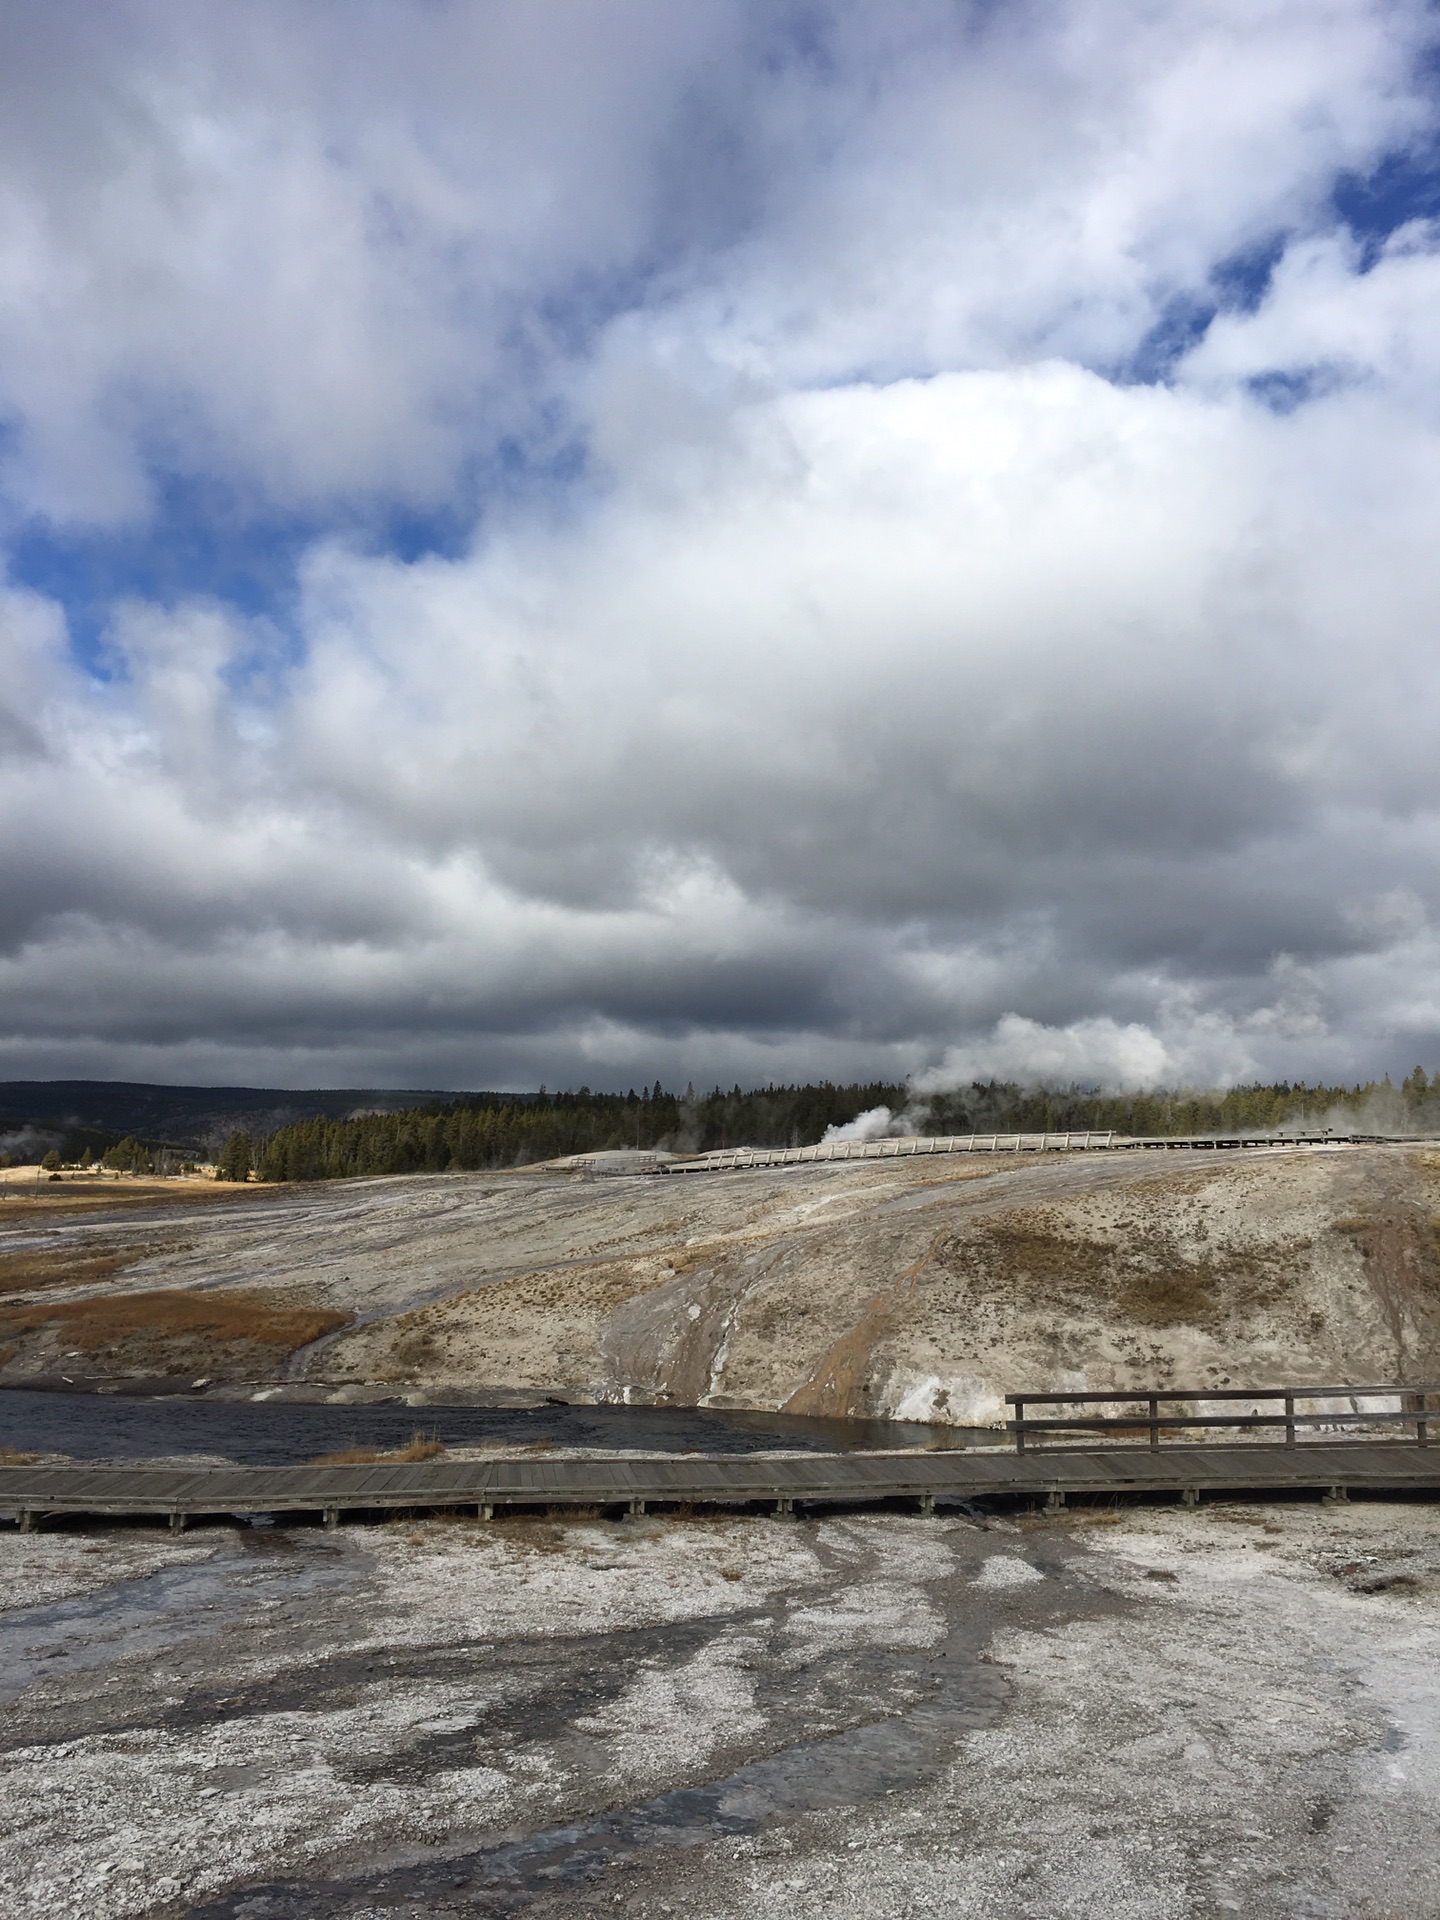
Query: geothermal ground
[922,1289]
[1143,1715]
[1126,1714]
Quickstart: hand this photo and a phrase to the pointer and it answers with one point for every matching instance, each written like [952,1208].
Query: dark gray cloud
[848,666]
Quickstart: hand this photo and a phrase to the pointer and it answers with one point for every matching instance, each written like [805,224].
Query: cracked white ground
[1158,1714]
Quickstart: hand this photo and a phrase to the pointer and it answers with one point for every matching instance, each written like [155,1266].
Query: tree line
[488,1131]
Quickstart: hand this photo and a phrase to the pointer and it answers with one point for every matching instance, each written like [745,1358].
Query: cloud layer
[619,541]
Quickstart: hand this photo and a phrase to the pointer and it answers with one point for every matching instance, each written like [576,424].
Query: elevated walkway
[910,1146]
[779,1482]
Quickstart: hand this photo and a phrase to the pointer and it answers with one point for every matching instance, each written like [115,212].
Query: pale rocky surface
[923,1289]
[1144,1715]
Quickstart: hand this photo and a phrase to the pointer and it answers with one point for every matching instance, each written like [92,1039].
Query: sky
[750,540]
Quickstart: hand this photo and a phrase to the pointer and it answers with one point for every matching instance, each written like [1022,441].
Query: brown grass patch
[1143,1274]
[1399,1248]
[29,1269]
[20,1203]
[12,1457]
[420,1446]
[90,1325]
[708,1253]
[1181,1296]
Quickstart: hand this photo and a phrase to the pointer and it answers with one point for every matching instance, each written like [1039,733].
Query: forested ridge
[474,1132]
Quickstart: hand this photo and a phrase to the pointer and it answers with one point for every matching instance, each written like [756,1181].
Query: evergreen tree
[237,1157]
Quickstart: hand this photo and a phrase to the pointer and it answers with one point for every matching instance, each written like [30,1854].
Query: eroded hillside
[926,1288]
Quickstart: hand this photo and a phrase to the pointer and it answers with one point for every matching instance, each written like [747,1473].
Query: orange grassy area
[12,1457]
[91,1324]
[421,1446]
[31,1268]
[21,1201]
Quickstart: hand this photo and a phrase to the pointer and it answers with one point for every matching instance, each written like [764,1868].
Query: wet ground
[95,1426]
[1134,1715]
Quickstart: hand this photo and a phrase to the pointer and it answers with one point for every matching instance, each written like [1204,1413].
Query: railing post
[1289,1419]
[1154,1421]
[1422,1425]
[1019,1426]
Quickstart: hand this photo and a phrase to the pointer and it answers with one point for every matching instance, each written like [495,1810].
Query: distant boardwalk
[907,1146]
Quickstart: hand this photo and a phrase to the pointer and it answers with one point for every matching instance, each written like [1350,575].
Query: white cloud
[894,687]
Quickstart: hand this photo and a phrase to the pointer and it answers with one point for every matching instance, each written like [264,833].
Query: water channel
[103,1426]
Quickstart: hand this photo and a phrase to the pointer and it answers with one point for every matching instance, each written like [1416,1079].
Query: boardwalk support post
[1337,1497]
[784,1508]
[27,1520]
[177,1520]
[927,1506]
[1289,1419]
[1054,1501]
[1154,1422]
[485,1511]
[636,1510]
[1190,1496]
[1019,1424]
[332,1518]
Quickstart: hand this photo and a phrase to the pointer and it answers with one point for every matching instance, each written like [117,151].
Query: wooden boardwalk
[910,1145]
[777,1482]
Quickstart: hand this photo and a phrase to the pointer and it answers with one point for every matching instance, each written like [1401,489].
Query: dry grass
[20,1203]
[1179,1296]
[1143,1274]
[91,1325]
[708,1254]
[12,1457]
[420,1446]
[29,1269]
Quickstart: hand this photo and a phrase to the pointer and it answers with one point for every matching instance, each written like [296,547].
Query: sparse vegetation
[29,1269]
[1143,1274]
[420,1446]
[171,1331]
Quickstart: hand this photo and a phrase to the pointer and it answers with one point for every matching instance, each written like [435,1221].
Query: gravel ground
[1155,1713]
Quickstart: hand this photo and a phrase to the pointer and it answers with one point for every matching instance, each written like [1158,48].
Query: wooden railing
[1413,1411]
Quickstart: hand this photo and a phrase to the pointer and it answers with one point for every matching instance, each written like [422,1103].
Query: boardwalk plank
[1213,1466]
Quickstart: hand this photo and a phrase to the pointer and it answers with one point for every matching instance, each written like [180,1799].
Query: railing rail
[907,1146]
[1414,1410]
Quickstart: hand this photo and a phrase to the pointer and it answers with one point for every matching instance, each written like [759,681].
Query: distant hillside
[471,1131]
[324,1132]
[195,1118]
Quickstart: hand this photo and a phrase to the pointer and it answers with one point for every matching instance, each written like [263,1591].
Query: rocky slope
[925,1289]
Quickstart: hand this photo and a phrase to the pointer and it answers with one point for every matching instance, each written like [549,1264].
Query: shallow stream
[94,1426]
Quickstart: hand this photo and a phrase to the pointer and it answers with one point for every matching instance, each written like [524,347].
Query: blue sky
[611,541]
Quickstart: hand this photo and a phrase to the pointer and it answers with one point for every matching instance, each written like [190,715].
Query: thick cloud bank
[605,541]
